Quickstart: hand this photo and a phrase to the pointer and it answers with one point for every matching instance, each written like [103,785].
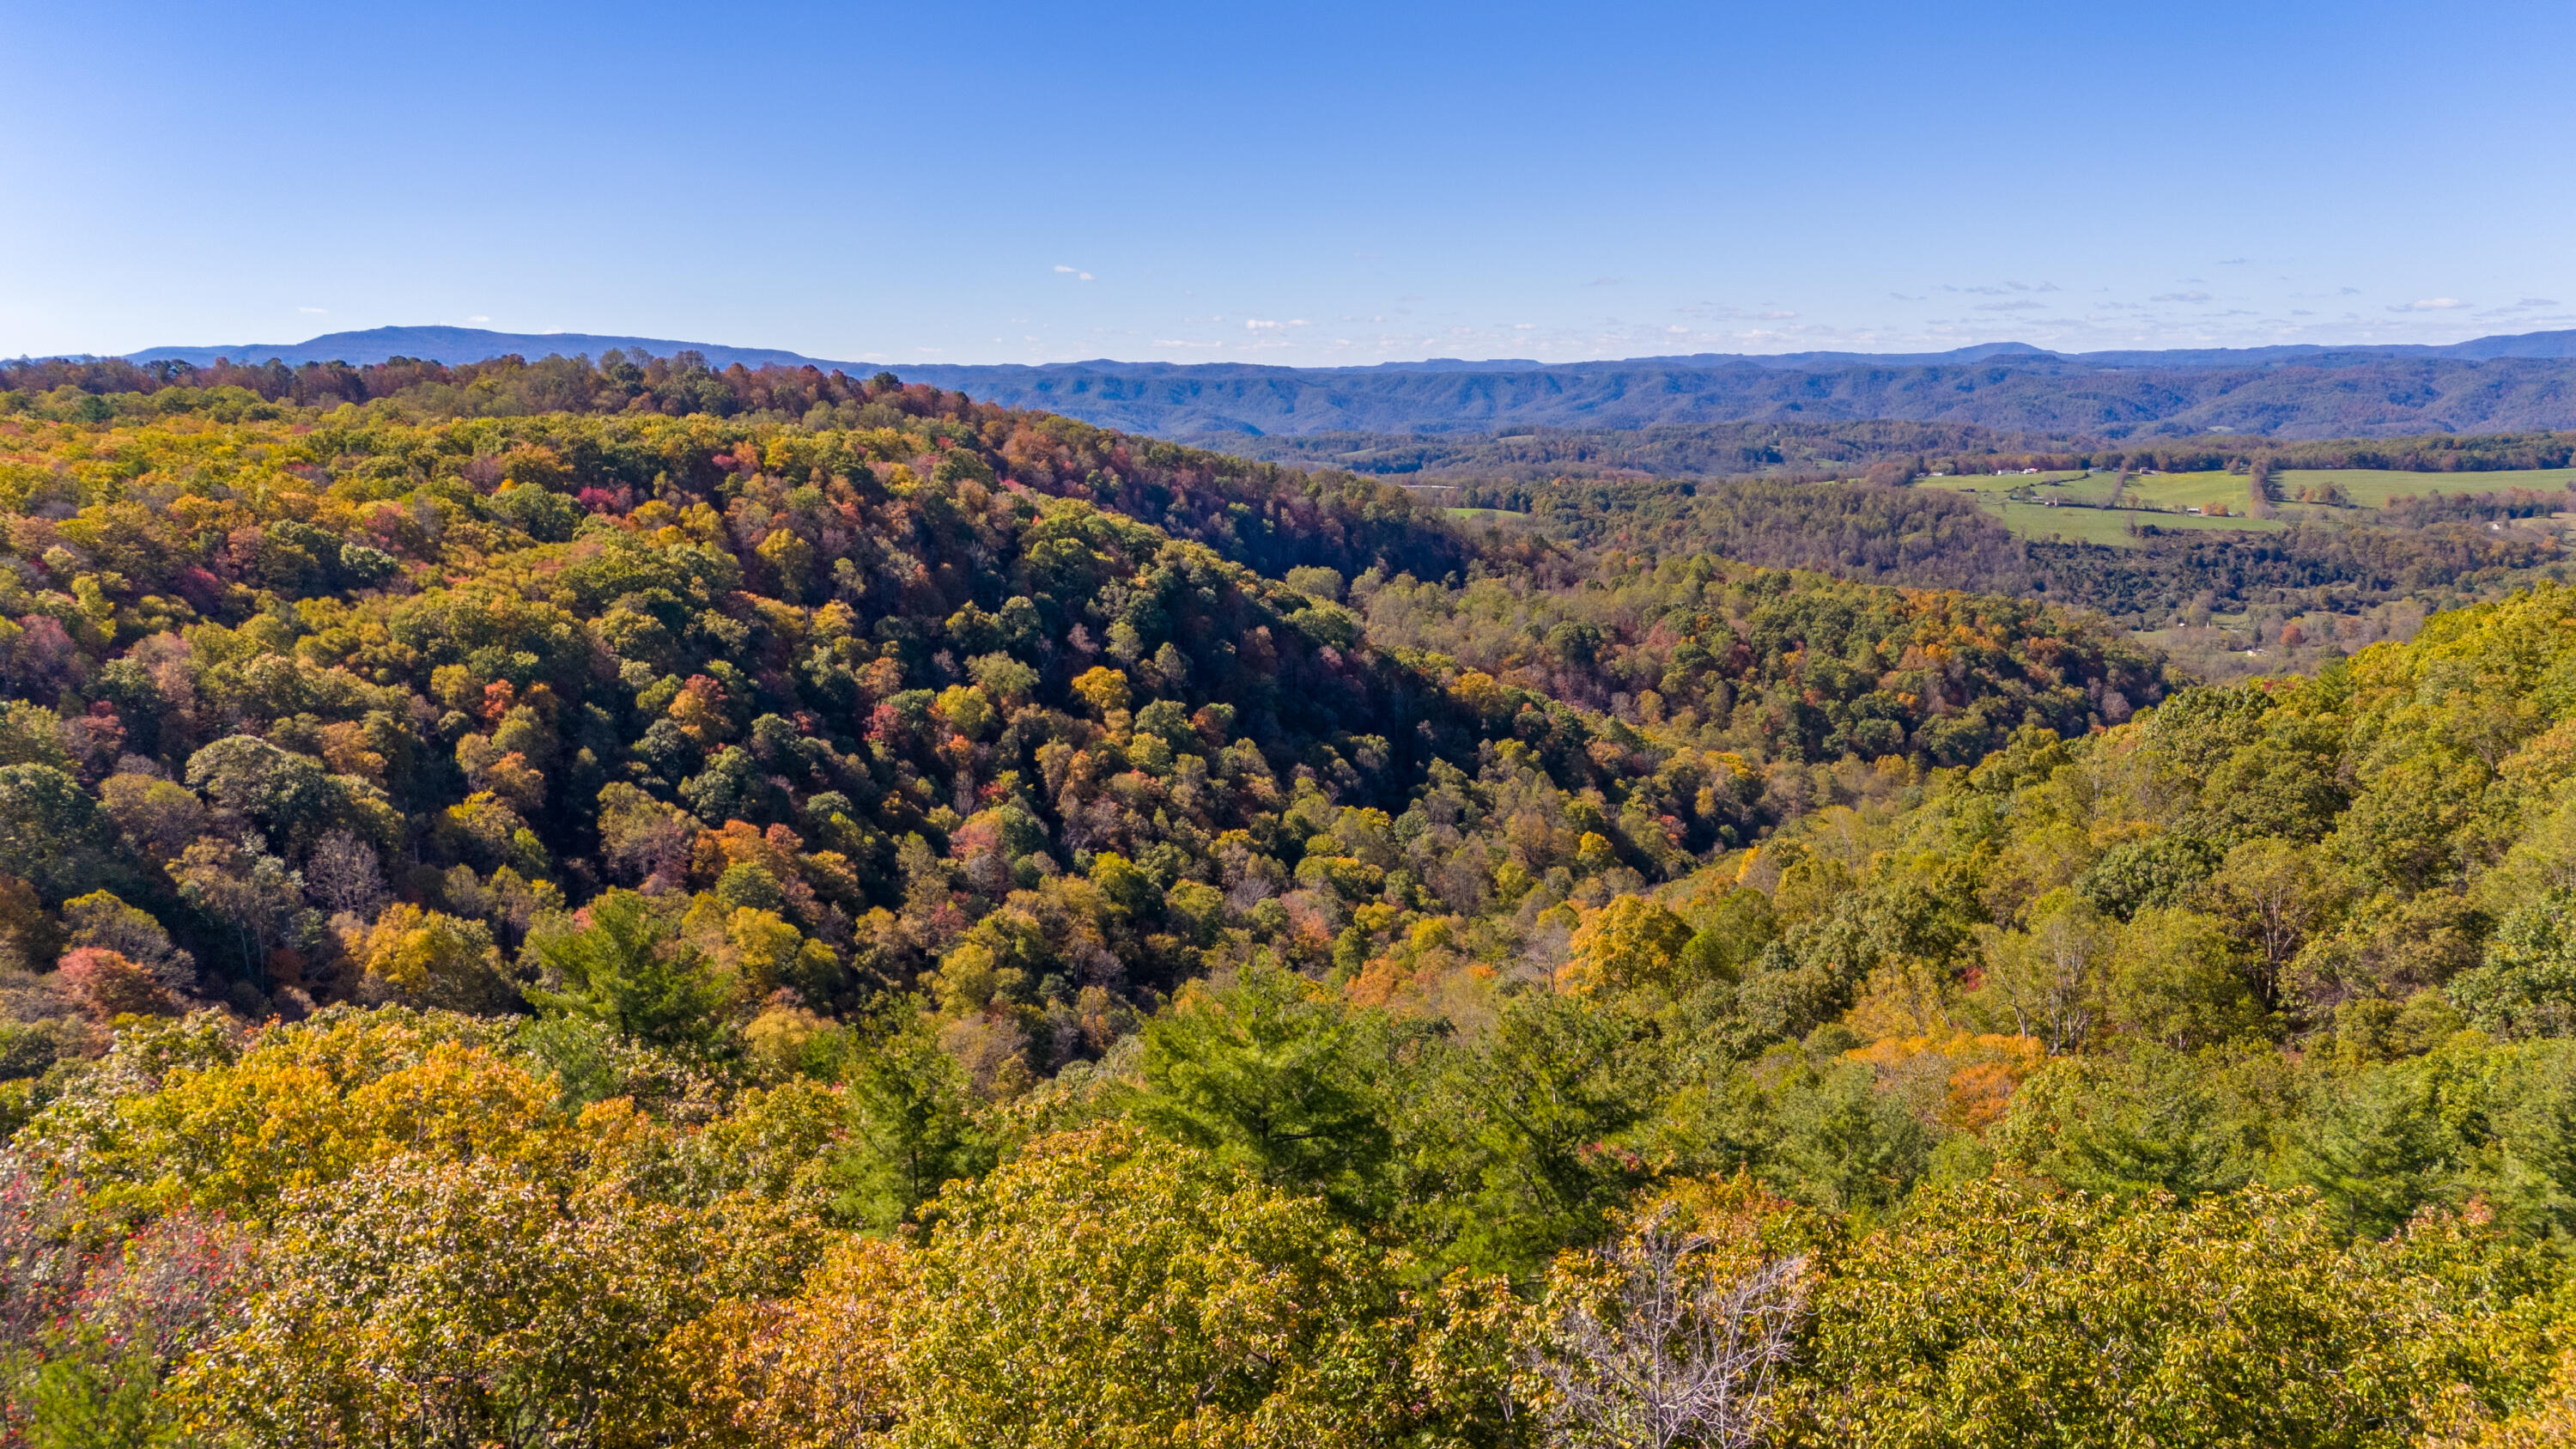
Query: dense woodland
[1490,466]
[1667,416]
[2142,397]
[2437,549]
[1507,470]
[855,916]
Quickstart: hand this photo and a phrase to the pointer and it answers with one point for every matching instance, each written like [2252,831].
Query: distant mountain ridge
[473,344]
[2487,384]
[453,345]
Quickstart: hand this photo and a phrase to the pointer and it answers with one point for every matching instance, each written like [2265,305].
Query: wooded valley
[553,904]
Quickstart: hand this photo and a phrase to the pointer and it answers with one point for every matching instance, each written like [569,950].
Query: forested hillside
[2434,551]
[772,909]
[2310,397]
[1502,470]
[2134,398]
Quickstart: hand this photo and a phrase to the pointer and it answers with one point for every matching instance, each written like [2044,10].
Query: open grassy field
[2082,515]
[2094,490]
[2178,491]
[2108,525]
[2085,513]
[2375,487]
[2013,482]
[1485,515]
[2366,487]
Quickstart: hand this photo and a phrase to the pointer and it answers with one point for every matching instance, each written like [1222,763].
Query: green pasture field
[1484,515]
[2085,514]
[2366,487]
[2008,483]
[2109,525]
[2378,487]
[2178,491]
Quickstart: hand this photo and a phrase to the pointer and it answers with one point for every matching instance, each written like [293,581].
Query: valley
[846,861]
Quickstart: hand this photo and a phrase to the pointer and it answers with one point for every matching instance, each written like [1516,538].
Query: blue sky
[1313,184]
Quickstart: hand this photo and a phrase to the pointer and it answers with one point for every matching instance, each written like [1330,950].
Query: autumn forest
[631,904]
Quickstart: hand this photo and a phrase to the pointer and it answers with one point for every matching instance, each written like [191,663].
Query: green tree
[1108,1289]
[914,1108]
[2047,982]
[1272,1075]
[623,963]
[289,796]
[436,1302]
[2144,1120]
[1521,1138]
[2174,980]
[2527,985]
[50,834]
[244,887]
[1995,1315]
[2272,892]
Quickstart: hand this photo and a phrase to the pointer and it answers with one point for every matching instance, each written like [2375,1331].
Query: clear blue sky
[1308,183]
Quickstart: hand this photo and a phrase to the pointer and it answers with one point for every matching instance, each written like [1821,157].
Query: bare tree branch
[1666,1351]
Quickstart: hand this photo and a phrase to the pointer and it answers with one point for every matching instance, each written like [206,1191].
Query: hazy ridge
[2486,384]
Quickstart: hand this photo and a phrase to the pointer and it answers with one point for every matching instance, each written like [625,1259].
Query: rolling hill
[2487,384]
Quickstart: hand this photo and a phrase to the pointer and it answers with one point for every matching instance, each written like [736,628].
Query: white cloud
[1077,273]
[2430,304]
[1257,324]
[2179,297]
[315,311]
[478,319]
[2017,305]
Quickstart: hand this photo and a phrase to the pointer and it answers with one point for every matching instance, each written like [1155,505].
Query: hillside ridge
[474,344]
[2486,384]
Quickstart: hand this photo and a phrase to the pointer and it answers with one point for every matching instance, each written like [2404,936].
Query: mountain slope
[464,344]
[2368,399]
[2490,384]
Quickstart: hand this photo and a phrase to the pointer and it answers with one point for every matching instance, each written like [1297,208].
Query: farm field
[2084,512]
[2178,491]
[2070,485]
[2174,491]
[2377,487]
[2109,525]
[2366,487]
